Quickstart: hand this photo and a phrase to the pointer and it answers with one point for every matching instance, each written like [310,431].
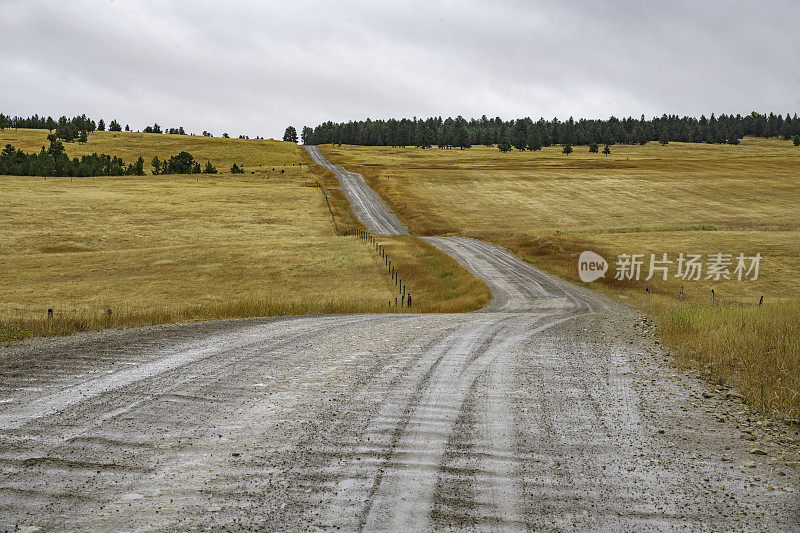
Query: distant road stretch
[366,204]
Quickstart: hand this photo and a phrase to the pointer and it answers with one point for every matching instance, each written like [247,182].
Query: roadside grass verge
[548,207]
[755,348]
[80,320]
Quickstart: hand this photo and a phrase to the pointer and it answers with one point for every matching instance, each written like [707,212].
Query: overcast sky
[252,67]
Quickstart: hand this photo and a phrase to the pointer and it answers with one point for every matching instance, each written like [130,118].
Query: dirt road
[551,409]
[368,207]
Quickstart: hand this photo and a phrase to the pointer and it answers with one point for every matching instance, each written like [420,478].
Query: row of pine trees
[525,134]
[77,128]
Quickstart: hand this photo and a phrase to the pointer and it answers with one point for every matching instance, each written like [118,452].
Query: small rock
[749,464]
[758,451]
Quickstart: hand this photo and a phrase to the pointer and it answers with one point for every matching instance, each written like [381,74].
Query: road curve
[552,409]
[368,207]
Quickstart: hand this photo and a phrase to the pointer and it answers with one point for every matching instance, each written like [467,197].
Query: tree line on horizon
[525,134]
[78,128]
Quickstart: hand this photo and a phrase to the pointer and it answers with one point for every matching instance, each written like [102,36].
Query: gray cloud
[254,67]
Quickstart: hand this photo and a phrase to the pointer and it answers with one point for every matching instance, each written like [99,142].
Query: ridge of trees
[76,128]
[525,134]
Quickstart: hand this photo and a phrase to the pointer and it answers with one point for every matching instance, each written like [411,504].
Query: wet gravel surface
[552,409]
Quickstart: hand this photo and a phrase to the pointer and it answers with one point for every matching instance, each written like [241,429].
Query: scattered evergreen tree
[114,126]
[504,145]
[182,163]
[235,169]
[101,125]
[210,169]
[83,138]
[127,127]
[225,136]
[156,164]
[593,148]
[307,135]
[290,134]
[567,149]
[796,140]
[607,150]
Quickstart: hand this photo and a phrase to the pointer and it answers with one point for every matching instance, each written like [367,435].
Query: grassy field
[157,249]
[690,198]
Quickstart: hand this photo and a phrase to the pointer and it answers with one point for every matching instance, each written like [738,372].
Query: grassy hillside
[157,249]
[690,198]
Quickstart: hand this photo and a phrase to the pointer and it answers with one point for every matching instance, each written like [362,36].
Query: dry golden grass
[691,198]
[156,249]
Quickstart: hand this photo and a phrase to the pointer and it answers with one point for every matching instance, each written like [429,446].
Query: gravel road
[368,207]
[551,409]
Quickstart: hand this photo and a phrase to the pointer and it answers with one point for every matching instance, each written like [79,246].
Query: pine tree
[127,127]
[423,135]
[504,145]
[664,138]
[567,149]
[114,126]
[607,150]
[210,169]
[593,148]
[307,135]
[156,163]
[534,142]
[290,135]
[520,136]
[796,140]
[235,169]
[101,126]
